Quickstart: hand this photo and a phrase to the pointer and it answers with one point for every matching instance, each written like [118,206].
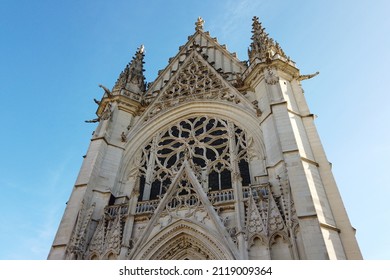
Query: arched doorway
[184,240]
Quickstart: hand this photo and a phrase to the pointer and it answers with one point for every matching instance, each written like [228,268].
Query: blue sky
[53,55]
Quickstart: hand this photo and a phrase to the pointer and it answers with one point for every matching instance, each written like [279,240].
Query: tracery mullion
[150,170]
[242,156]
[237,189]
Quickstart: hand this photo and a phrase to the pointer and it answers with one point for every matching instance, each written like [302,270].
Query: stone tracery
[196,80]
[219,153]
[213,147]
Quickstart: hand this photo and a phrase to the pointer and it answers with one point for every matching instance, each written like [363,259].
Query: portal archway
[184,240]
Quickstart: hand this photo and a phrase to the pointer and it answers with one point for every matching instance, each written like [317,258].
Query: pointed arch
[143,133]
[280,247]
[94,257]
[299,242]
[110,255]
[258,248]
[184,239]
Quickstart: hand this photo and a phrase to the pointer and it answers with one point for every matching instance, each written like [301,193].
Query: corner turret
[263,47]
[132,80]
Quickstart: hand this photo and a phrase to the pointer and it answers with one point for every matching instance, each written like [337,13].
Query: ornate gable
[263,214]
[256,221]
[196,80]
[78,240]
[224,62]
[184,201]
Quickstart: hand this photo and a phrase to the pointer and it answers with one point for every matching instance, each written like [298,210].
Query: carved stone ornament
[114,235]
[78,242]
[270,77]
[255,222]
[262,46]
[256,106]
[188,241]
[195,81]
[131,81]
[108,234]
[123,137]
[97,242]
[265,214]
[199,24]
[106,115]
[205,142]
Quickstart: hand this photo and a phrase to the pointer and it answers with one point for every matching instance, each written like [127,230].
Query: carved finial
[262,47]
[141,49]
[199,24]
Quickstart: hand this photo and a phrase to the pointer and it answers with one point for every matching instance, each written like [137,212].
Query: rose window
[216,149]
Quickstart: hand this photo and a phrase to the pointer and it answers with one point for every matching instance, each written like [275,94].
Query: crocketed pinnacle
[262,47]
[132,77]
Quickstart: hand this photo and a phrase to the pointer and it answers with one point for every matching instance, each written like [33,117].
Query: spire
[199,24]
[132,78]
[262,47]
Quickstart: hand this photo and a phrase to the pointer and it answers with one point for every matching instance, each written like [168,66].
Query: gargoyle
[93,121]
[306,77]
[106,90]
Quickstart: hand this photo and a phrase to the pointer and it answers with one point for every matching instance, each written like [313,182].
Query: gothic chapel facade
[216,159]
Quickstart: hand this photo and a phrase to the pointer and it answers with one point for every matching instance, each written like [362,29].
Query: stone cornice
[312,116]
[308,216]
[270,113]
[102,191]
[309,161]
[124,103]
[330,227]
[322,225]
[275,164]
[255,70]
[282,102]
[107,143]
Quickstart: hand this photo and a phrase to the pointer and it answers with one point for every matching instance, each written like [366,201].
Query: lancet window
[215,149]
